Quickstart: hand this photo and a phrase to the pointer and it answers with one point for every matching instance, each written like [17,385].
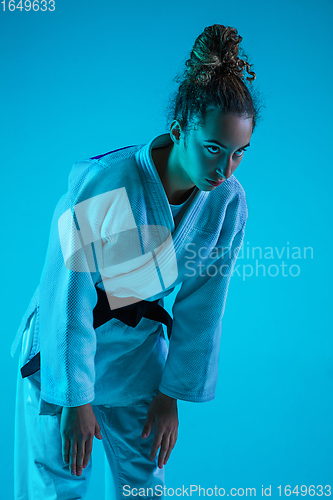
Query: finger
[65,448]
[80,456]
[156,444]
[147,427]
[163,451]
[72,456]
[98,433]
[173,439]
[89,443]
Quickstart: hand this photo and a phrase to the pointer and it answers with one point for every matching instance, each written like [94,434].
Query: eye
[240,152]
[213,147]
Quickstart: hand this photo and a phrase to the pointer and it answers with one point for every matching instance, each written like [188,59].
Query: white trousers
[39,471]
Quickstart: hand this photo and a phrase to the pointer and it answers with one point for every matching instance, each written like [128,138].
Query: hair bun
[216,53]
[213,79]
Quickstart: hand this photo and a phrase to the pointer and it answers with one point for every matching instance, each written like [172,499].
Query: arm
[67,337]
[67,300]
[191,368]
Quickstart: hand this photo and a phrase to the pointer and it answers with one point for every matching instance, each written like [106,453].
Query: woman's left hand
[163,412]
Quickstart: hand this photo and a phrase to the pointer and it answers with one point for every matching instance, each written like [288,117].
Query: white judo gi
[116,230]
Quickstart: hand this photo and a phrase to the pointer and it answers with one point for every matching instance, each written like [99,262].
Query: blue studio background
[95,76]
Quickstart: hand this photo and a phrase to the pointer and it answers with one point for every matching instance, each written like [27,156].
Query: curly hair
[214,77]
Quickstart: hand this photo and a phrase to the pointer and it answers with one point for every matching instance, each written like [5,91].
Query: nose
[225,171]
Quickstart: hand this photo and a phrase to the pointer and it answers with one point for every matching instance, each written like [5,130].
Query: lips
[215,183]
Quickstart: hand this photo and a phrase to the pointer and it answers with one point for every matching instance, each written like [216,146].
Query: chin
[208,187]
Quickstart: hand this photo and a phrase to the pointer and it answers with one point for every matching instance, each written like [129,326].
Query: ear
[175,131]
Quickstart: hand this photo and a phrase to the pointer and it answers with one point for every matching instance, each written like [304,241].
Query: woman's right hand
[78,427]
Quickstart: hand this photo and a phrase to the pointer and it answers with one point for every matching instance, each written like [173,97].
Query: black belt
[131,315]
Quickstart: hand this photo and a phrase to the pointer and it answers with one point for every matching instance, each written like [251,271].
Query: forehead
[229,129]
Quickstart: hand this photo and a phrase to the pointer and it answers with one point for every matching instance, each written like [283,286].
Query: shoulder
[236,189]
[230,206]
[239,195]
[231,201]
[102,172]
[116,155]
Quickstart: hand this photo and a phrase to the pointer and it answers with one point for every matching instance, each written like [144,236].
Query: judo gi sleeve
[67,299]
[191,368]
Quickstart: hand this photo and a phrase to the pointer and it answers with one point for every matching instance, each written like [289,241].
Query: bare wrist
[162,395]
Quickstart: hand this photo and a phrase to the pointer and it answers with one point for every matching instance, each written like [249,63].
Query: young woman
[134,224]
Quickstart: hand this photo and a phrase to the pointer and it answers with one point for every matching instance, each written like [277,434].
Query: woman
[135,223]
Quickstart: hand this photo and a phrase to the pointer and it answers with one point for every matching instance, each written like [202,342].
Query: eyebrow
[223,146]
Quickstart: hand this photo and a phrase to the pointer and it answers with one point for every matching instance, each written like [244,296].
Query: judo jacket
[115,230]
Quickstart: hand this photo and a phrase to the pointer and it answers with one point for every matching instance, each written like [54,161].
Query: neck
[176,185]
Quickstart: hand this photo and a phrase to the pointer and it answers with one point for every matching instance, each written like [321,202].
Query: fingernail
[144,435]
[73,472]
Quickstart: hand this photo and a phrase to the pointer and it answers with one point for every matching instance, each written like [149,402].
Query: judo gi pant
[39,470]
